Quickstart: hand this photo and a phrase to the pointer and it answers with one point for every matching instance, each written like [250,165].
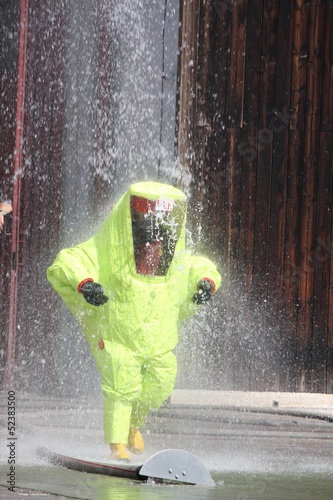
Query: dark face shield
[156,226]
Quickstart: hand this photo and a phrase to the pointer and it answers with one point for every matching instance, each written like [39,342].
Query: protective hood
[145,230]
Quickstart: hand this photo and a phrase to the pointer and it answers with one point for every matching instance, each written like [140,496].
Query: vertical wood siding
[40,194]
[9,28]
[256,129]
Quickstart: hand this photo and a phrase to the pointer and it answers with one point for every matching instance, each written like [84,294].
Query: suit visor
[156,227]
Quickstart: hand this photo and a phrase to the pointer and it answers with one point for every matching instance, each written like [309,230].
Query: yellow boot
[135,441]
[119,452]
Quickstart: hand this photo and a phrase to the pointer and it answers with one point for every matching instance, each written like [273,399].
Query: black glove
[93,293]
[204,293]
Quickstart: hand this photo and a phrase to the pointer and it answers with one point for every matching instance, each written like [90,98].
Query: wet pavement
[245,446]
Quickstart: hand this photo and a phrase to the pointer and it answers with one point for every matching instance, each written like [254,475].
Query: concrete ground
[228,431]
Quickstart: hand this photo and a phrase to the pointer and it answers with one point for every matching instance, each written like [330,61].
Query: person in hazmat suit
[129,287]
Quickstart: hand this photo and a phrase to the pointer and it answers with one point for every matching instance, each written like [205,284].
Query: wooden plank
[187,84]
[218,199]
[41,187]
[187,134]
[106,115]
[248,147]
[299,62]
[222,50]
[280,121]
[234,203]
[220,65]
[292,225]
[235,102]
[321,265]
[268,71]
[203,125]
[9,43]
[327,100]
[311,157]
[280,150]
[262,200]
[327,158]
[204,77]
[291,270]
[33,121]
[264,146]
[8,92]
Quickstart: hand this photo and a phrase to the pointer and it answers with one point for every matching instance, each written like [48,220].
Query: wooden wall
[256,130]
[40,193]
[9,27]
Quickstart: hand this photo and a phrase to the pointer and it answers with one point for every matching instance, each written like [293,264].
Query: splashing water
[136,109]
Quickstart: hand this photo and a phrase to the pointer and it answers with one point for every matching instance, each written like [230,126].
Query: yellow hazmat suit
[133,334]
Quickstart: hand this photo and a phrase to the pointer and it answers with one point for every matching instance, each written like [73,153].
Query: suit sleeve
[203,268]
[71,267]
[198,268]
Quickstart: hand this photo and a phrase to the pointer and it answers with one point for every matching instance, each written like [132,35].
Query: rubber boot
[119,452]
[135,441]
